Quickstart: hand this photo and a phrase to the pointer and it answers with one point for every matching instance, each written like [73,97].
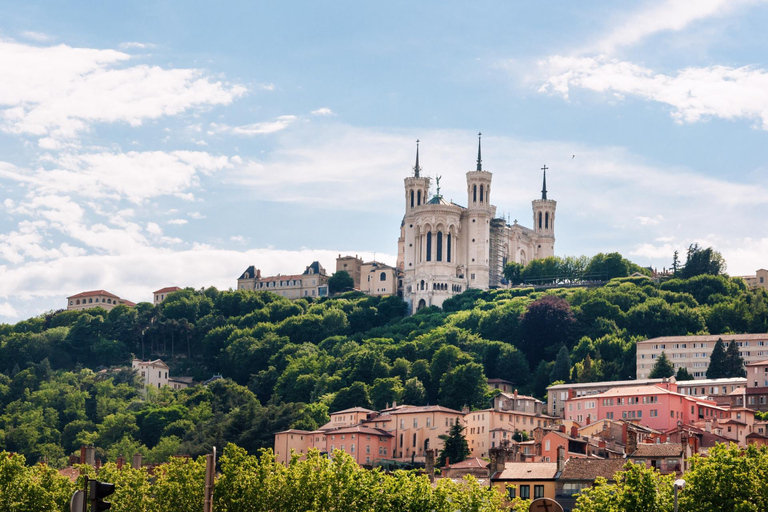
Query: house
[152,373]
[578,474]
[312,283]
[665,457]
[162,293]
[379,279]
[96,299]
[526,480]
[478,468]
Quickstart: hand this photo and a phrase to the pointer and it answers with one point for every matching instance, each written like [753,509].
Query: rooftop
[474,462]
[658,450]
[589,469]
[527,471]
[607,383]
[168,289]
[92,293]
[706,337]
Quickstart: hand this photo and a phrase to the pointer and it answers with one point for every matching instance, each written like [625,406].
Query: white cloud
[39,37]
[694,93]
[7,310]
[323,112]
[136,176]
[154,229]
[667,15]
[135,45]
[178,222]
[237,238]
[262,128]
[59,91]
[650,221]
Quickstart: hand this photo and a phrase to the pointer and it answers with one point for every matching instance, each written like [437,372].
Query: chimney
[708,425]
[447,461]
[429,464]
[560,458]
[120,462]
[574,431]
[589,419]
[90,455]
[631,446]
[562,429]
[465,409]
[136,463]
[515,394]
[601,444]
[394,403]
[82,454]
[624,433]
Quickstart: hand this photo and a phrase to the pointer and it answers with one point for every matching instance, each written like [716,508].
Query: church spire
[416,168]
[544,183]
[479,158]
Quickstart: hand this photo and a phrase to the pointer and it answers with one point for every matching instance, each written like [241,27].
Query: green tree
[386,391]
[702,261]
[637,489]
[355,395]
[562,369]
[546,324]
[513,272]
[683,374]
[455,447]
[662,368]
[340,281]
[414,392]
[717,361]
[464,385]
[734,363]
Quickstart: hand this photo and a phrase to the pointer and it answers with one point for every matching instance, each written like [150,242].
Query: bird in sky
[574,156]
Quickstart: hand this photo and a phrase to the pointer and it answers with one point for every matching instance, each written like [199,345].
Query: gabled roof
[527,471]
[413,409]
[472,463]
[156,363]
[648,450]
[352,409]
[316,268]
[589,469]
[360,429]
[511,396]
[294,431]
[94,292]
[251,271]
[128,303]
[168,289]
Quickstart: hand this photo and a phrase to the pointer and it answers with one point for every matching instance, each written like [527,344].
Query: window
[439,246]
[511,492]
[525,492]
[448,249]
[383,276]
[538,491]
[546,445]
[429,246]
[415,423]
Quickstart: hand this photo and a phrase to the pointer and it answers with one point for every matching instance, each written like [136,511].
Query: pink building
[659,407]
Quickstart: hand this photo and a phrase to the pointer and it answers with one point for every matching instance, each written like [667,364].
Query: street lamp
[679,484]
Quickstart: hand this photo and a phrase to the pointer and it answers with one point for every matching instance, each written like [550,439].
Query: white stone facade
[445,248]
[153,374]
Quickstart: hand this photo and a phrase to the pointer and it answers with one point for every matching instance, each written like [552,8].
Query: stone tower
[544,222]
[479,215]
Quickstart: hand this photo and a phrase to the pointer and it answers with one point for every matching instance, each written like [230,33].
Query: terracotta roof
[359,429]
[658,450]
[527,471]
[127,303]
[758,363]
[352,409]
[168,289]
[707,337]
[410,409]
[589,469]
[472,463]
[520,397]
[71,473]
[294,431]
[94,292]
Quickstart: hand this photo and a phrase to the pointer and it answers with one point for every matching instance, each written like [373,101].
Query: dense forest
[66,377]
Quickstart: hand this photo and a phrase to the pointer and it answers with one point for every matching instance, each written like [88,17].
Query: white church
[445,248]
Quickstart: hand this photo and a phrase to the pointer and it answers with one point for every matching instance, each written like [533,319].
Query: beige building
[558,394]
[96,299]
[353,266]
[153,373]
[313,282]
[693,352]
[445,248]
[759,280]
[379,279]
[162,293]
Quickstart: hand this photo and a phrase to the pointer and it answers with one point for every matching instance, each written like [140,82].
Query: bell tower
[544,221]
[416,187]
[479,215]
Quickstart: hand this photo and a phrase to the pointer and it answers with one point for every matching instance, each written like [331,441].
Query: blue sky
[149,144]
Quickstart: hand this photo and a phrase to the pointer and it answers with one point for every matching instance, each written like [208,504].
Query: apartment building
[559,393]
[693,352]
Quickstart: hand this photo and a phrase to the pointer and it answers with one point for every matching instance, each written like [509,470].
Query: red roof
[474,462]
[168,289]
[128,303]
[94,292]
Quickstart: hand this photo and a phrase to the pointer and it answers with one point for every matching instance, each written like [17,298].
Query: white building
[312,283]
[153,373]
[96,299]
[162,293]
[445,248]
[693,352]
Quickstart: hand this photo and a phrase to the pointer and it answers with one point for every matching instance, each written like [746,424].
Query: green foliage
[455,447]
[340,281]
[718,366]
[702,261]
[662,367]
[683,374]
[637,489]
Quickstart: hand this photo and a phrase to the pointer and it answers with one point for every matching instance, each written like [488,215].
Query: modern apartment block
[693,352]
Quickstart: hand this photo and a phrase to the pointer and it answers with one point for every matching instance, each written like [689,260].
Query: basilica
[445,248]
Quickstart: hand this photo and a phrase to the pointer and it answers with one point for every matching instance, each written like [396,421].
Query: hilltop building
[693,352]
[759,280]
[371,277]
[162,293]
[96,299]
[313,282]
[445,248]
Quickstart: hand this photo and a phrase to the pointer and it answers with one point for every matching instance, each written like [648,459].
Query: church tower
[544,221]
[478,216]
[416,187]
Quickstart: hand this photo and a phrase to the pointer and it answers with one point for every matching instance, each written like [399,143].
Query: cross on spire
[416,168]
[479,158]
[544,183]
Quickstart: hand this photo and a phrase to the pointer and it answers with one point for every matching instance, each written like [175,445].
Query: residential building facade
[160,295]
[96,299]
[312,283]
[153,373]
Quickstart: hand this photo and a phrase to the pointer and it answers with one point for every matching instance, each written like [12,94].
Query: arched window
[546,220]
[383,276]
[474,193]
[429,246]
[411,198]
[418,198]
[422,284]
[539,220]
[481,193]
[439,246]
[448,249]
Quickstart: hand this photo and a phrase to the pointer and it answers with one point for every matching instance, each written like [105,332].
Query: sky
[157,143]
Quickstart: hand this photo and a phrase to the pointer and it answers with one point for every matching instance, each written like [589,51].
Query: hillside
[286,364]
